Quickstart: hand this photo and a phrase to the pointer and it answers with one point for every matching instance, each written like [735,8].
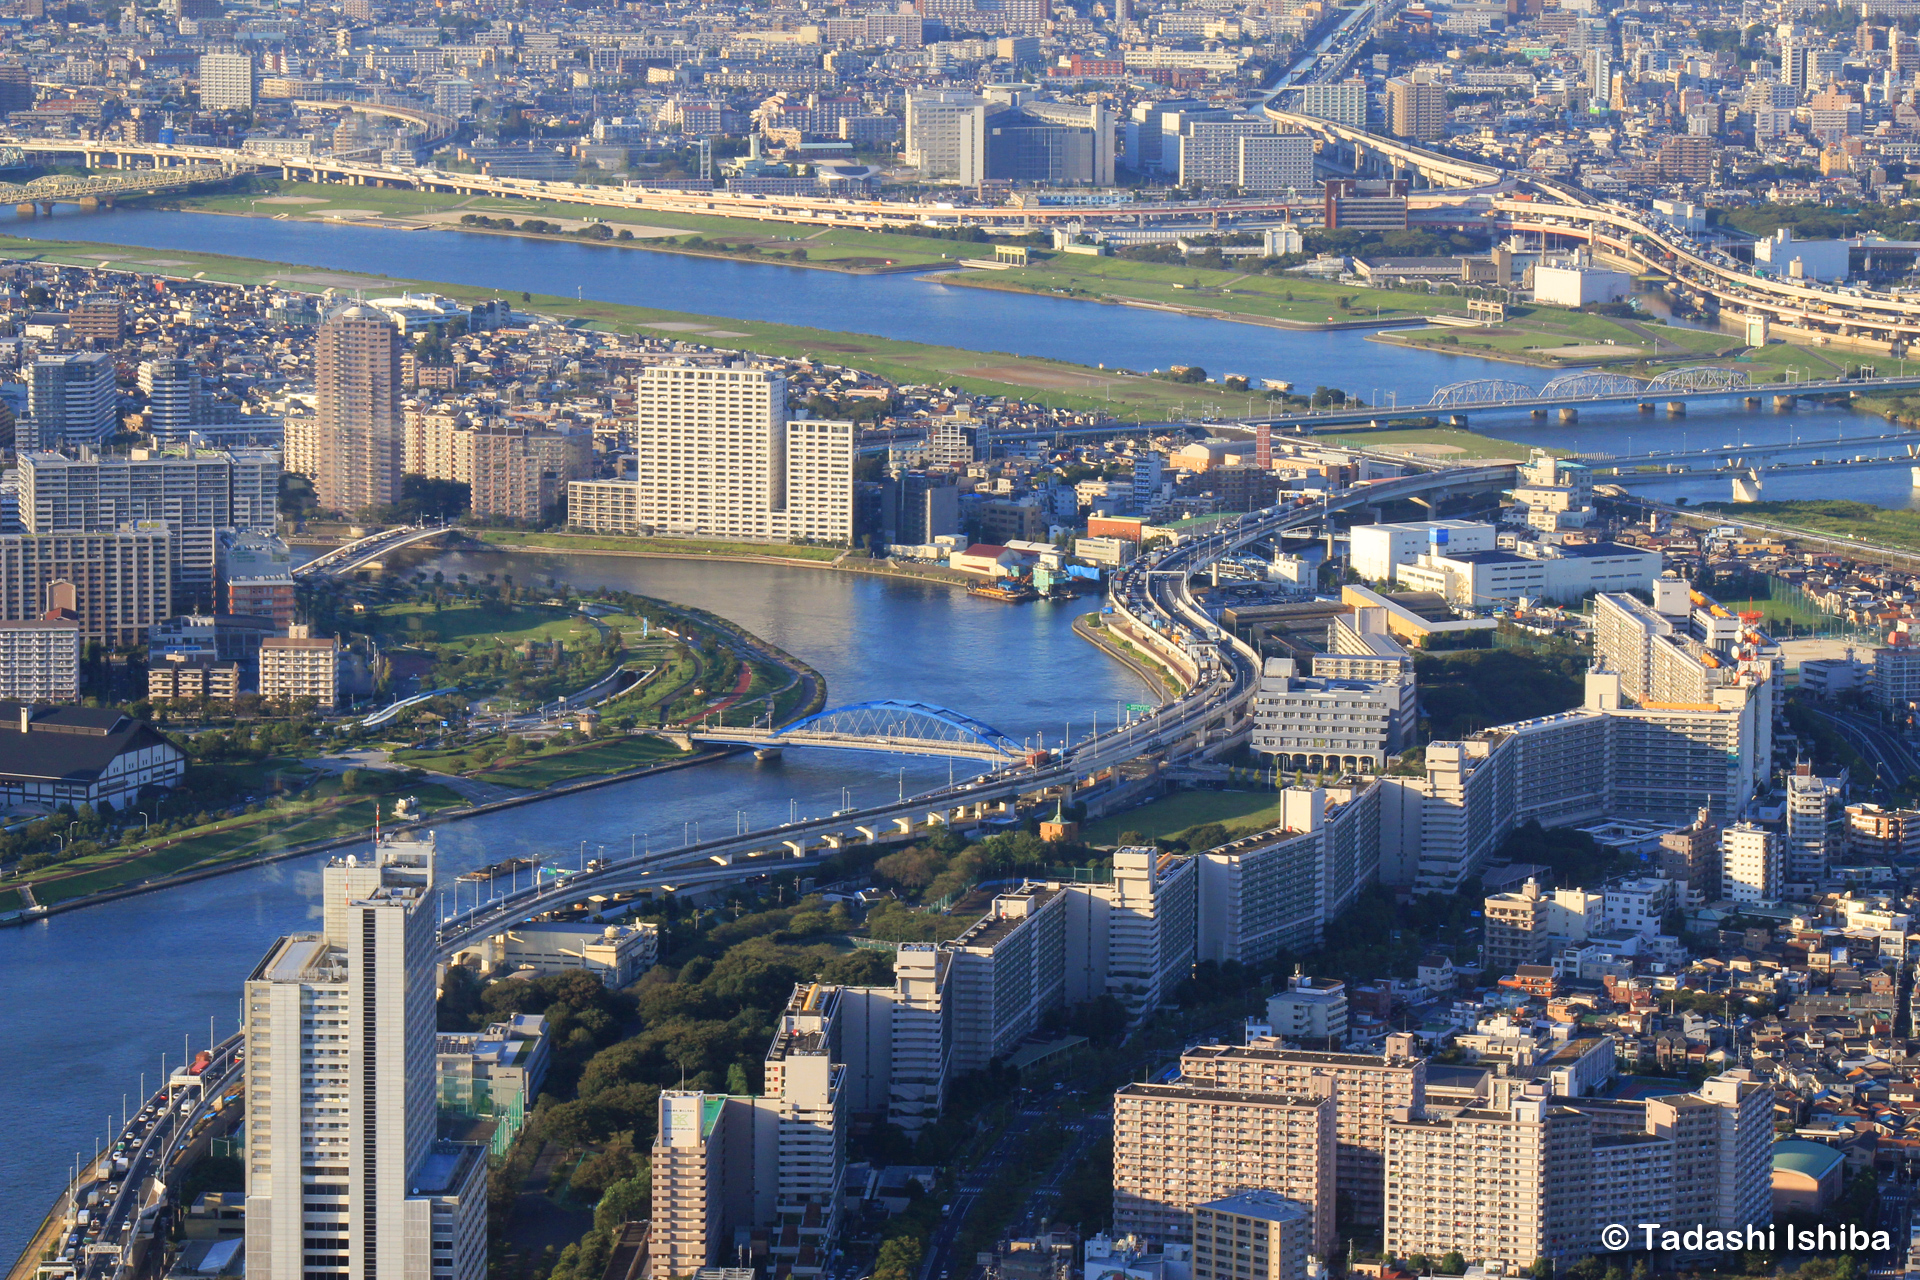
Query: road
[153,1144]
[1892,759]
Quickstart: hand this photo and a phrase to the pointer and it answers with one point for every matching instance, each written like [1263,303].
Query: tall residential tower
[358,428]
[345,1177]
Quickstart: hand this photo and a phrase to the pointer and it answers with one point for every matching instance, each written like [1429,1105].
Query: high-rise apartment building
[1343,102]
[40,659]
[1252,1235]
[120,582]
[98,318]
[1180,1145]
[772,1163]
[718,458]
[1753,864]
[176,396]
[521,473]
[195,491]
[345,1177]
[1368,1091]
[300,665]
[357,426]
[72,399]
[226,82]
[1813,834]
[1524,926]
[1272,163]
[946,136]
[604,506]
[1525,1175]
[1416,108]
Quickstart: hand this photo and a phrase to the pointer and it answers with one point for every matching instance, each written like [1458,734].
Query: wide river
[924,309]
[94,997]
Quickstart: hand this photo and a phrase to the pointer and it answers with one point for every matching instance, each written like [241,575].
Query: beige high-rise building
[1510,1184]
[121,583]
[772,1163]
[358,428]
[1368,1091]
[1254,1235]
[300,665]
[1179,1145]
[718,458]
[439,445]
[1416,108]
[345,1176]
[520,473]
[1524,1175]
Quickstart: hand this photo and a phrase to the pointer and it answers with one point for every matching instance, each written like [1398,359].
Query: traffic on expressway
[116,1195]
[1154,593]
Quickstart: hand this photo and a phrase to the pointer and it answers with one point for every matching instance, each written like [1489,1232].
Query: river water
[95,997]
[144,972]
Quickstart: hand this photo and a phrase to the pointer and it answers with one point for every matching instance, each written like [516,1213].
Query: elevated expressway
[1154,598]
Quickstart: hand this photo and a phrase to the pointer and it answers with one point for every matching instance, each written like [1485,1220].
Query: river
[94,997]
[924,309]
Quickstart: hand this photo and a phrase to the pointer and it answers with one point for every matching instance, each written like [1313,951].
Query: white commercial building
[614,953]
[40,660]
[1752,864]
[1316,722]
[1272,163]
[345,1175]
[1579,284]
[1781,255]
[1379,549]
[718,458]
[226,82]
[1307,1010]
[1532,571]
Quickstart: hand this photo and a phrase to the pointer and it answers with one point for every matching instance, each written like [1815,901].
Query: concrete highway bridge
[347,558]
[1905,443]
[1569,392]
[906,728]
[1153,596]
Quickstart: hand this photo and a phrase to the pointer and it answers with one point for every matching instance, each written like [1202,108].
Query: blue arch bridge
[909,728]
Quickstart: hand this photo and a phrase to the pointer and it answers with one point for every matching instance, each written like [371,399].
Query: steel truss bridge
[908,728]
[1589,385]
[1214,713]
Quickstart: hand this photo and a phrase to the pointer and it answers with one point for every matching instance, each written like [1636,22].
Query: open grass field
[325,817]
[1231,293]
[550,767]
[845,247]
[1432,442]
[1174,815]
[1834,517]
[466,625]
[1123,397]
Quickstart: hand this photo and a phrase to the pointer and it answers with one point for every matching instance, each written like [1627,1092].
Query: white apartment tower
[345,1180]
[1752,864]
[226,82]
[717,458]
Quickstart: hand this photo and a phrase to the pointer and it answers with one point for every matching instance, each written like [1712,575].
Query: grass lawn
[1833,517]
[1798,612]
[1432,442]
[1052,382]
[231,839]
[549,767]
[1174,815]
[1231,292]
[671,546]
[847,246]
[466,624]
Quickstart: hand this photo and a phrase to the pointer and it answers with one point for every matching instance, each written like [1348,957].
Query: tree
[628,1200]
[900,1259]
[1453,1264]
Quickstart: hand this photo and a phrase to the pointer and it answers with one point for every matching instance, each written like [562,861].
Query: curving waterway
[94,997]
